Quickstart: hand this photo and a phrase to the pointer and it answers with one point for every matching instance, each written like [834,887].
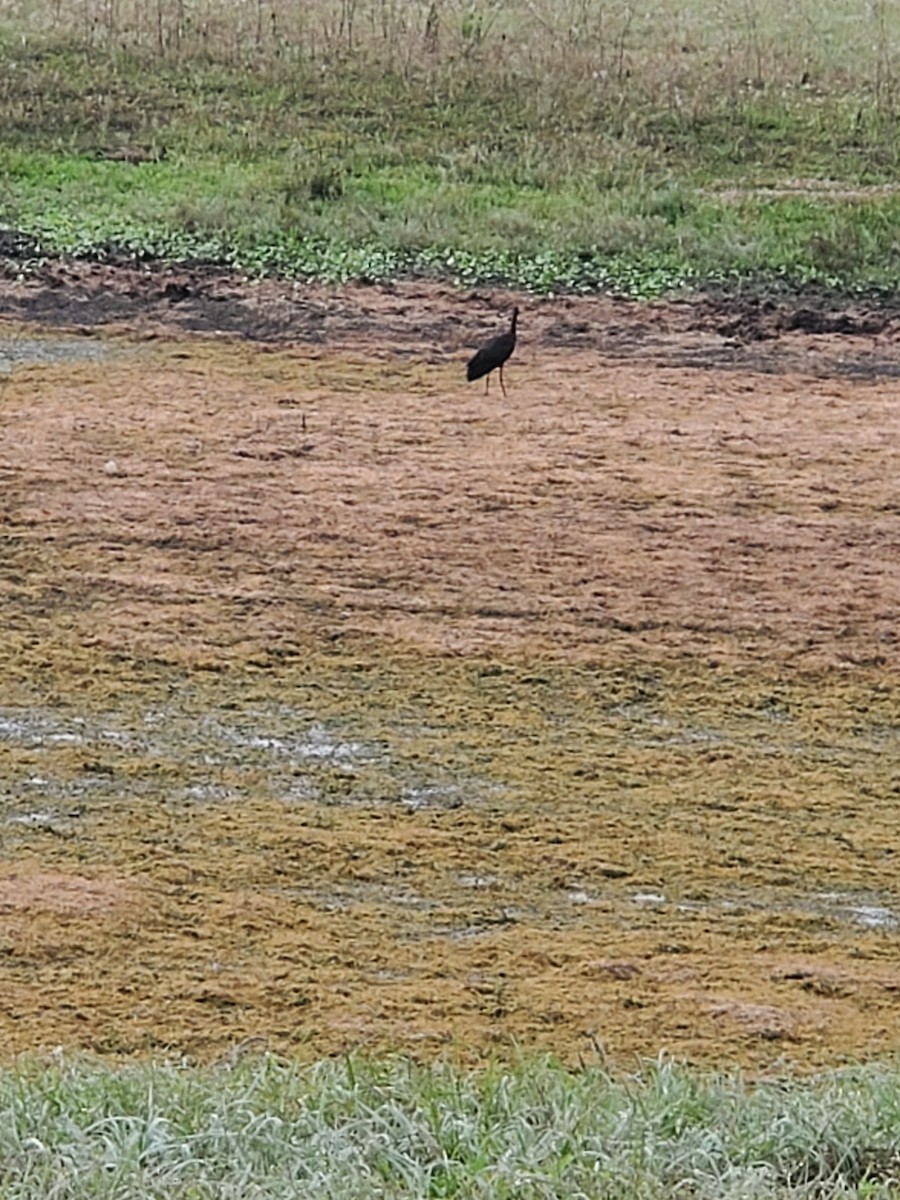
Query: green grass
[361,1129]
[552,146]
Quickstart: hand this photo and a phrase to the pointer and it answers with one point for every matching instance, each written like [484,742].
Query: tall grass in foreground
[395,1129]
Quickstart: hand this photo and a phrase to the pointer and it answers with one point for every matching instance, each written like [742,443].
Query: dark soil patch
[432,322]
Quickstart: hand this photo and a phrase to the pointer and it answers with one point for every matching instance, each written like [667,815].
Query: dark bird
[494,354]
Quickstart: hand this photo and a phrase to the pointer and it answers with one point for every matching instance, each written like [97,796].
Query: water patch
[31,351]
[314,743]
[181,753]
[872,915]
[33,728]
[435,795]
[354,894]
[478,881]
[33,820]
[328,901]
[209,793]
[860,911]
[868,912]
[36,727]
[649,898]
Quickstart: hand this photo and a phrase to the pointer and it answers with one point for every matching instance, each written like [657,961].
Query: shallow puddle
[18,351]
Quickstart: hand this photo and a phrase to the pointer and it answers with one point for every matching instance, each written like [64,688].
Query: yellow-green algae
[278,764]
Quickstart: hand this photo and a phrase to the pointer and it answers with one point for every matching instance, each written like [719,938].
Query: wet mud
[346,707]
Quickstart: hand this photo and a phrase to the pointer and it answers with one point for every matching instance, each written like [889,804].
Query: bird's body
[494,354]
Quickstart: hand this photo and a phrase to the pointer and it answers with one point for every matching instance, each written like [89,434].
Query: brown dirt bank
[344,706]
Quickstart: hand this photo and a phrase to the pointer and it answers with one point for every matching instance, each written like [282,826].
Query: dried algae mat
[344,707]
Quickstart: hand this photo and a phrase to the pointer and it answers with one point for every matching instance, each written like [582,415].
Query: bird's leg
[487,383]
[502,387]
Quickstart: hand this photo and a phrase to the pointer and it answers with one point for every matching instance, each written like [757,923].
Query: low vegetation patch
[548,145]
[391,1128]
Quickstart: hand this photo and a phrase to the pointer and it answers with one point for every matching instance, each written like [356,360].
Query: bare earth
[347,707]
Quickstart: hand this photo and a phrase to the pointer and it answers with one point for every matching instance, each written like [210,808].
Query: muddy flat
[346,706]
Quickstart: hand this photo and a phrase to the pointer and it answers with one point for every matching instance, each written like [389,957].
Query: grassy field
[553,145]
[355,1129]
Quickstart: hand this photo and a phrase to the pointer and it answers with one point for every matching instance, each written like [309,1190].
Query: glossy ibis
[494,354]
